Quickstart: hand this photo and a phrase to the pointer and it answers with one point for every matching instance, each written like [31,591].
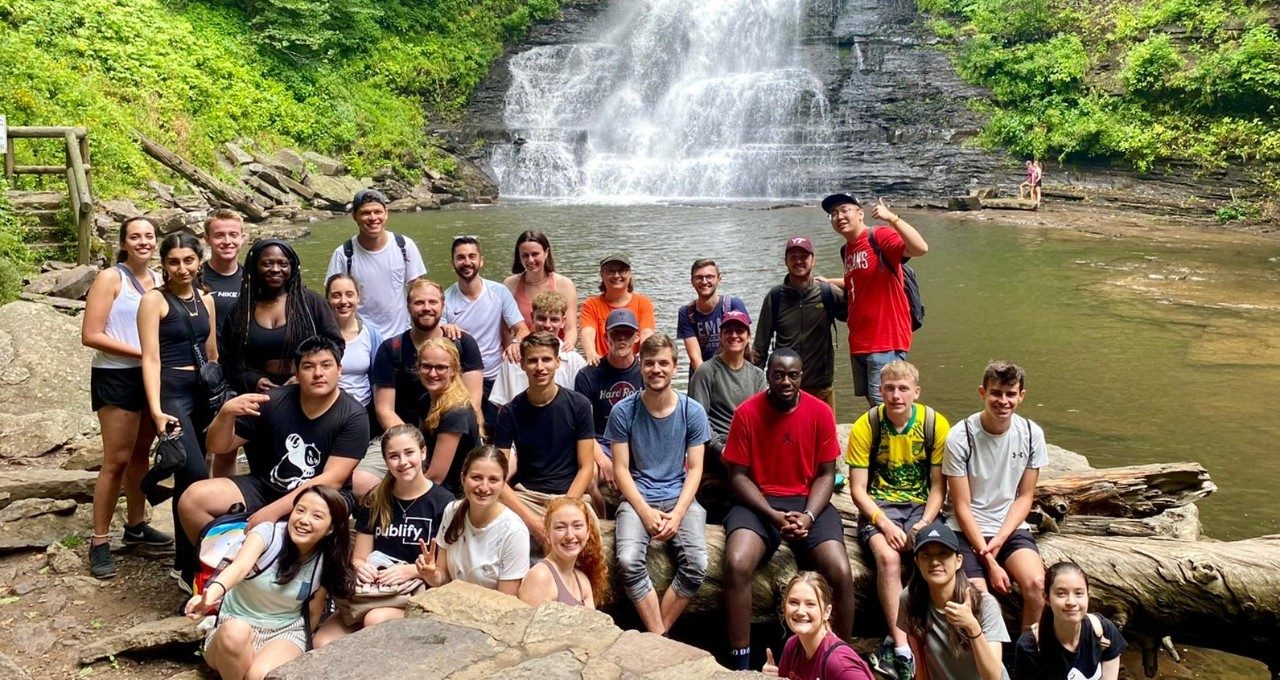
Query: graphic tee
[483,556]
[545,439]
[1085,663]
[225,290]
[879,316]
[902,475]
[605,386]
[286,448]
[782,451]
[691,323]
[411,520]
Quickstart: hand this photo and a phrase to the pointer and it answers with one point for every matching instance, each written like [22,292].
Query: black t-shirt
[1083,664]
[461,420]
[410,521]
[285,448]
[605,386]
[546,439]
[396,365]
[225,291]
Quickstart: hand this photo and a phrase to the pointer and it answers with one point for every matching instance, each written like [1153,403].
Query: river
[1137,349]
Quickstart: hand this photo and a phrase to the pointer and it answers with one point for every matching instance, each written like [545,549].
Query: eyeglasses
[434,368]
[706,277]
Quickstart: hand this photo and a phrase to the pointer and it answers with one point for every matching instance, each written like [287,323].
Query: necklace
[194,311]
[535,284]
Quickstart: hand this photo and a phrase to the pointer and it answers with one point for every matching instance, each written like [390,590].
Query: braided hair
[298,322]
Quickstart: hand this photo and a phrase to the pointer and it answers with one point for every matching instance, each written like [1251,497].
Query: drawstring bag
[168,456]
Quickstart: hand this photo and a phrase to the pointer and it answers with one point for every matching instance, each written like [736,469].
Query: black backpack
[349,249]
[835,312]
[909,284]
[930,428]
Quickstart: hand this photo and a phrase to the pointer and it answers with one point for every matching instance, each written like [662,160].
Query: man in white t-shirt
[992,463]
[381,262]
[487,310]
[550,310]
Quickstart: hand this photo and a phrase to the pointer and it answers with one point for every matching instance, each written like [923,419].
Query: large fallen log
[1132,491]
[234,197]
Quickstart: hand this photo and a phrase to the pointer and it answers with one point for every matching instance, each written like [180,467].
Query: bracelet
[975,637]
[812,520]
[215,582]
[876,515]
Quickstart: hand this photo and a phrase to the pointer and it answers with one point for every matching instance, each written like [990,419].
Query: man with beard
[609,382]
[781,454]
[488,311]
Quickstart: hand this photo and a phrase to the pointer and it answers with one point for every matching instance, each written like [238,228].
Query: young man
[720,385]
[224,234]
[698,323]
[879,315]
[609,382]
[550,310]
[546,432]
[898,489]
[487,310]
[381,261]
[657,438]
[781,454]
[992,464]
[801,314]
[293,436]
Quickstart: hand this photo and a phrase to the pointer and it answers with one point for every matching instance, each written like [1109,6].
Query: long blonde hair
[379,499]
[455,393]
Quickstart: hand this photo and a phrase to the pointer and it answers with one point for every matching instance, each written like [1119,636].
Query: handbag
[209,372]
[370,596]
[168,456]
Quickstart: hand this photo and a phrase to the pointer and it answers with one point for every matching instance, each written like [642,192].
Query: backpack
[691,308]
[1094,622]
[835,312]
[930,428]
[349,249]
[910,285]
[219,543]
[968,436]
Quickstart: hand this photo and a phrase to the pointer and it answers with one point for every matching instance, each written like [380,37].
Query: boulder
[407,204]
[39,522]
[280,181]
[41,359]
[191,203]
[63,560]
[144,637]
[275,195]
[323,164]
[335,192]
[473,180]
[34,507]
[85,457]
[167,219]
[68,283]
[120,209]
[236,154]
[36,434]
[24,482]
[163,192]
[404,648]
[653,656]
[287,161]
[964,203]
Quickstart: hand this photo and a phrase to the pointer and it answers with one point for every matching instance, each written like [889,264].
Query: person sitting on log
[781,456]
[813,652]
[955,630]
[576,556]
[895,479]
[658,437]
[992,463]
[1069,642]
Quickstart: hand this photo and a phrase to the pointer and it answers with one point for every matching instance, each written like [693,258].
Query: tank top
[563,596]
[175,342]
[122,320]
[525,303]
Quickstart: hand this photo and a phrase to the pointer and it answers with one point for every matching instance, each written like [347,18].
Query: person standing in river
[617,291]
[879,315]
[533,272]
[222,273]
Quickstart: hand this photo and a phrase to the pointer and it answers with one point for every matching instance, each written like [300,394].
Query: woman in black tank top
[174,323]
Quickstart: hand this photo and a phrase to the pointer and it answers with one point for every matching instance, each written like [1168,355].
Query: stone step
[43,217]
[37,200]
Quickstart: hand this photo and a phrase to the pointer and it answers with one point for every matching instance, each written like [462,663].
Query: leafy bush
[15,259]
[1150,67]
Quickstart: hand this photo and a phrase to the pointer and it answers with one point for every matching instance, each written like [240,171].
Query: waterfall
[677,99]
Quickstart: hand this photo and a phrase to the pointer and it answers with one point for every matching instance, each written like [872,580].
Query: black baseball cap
[835,200]
[938,532]
[367,196]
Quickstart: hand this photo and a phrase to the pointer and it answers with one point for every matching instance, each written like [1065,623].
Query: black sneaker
[145,534]
[101,565]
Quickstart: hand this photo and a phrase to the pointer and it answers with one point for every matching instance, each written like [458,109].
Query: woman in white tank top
[110,326]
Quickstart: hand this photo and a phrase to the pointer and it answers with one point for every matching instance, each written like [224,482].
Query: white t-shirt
[484,318]
[512,380]
[995,469]
[498,552]
[382,276]
[356,360]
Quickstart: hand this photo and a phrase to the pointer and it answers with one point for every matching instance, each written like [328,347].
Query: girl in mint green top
[265,591]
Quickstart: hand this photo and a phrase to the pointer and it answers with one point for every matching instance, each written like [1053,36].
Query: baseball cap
[938,532]
[801,242]
[735,316]
[615,257]
[367,196]
[619,318]
[831,202]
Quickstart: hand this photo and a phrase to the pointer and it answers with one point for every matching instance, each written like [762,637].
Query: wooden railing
[78,173]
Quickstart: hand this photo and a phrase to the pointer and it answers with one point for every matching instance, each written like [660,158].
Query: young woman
[955,631]
[574,572]
[813,652]
[363,340]
[533,271]
[274,315]
[481,541]
[451,425]
[616,292]
[110,326]
[404,506]
[171,319]
[277,582]
[1069,642]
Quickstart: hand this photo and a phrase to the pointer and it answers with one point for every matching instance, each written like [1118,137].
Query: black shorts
[257,494]
[1018,540]
[119,387]
[905,515]
[826,527]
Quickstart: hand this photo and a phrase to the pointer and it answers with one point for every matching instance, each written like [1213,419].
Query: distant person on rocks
[813,652]
[992,464]
[698,323]
[608,383]
[362,338]
[658,438]
[550,313]
[533,272]
[720,385]
[574,571]
[221,273]
[895,478]
[110,327]
[801,313]
[781,454]
[274,315]
[1026,189]
[617,291]
[383,262]
[879,314]
[1069,642]
[1037,182]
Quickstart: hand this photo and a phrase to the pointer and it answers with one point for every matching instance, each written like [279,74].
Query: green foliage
[1151,67]
[1238,211]
[15,259]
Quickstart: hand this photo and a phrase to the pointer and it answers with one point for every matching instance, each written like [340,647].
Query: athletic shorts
[256,493]
[373,462]
[827,527]
[976,568]
[119,387]
[905,515]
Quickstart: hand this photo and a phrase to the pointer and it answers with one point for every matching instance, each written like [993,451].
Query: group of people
[466,437]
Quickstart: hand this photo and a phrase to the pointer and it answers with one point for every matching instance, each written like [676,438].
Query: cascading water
[679,99]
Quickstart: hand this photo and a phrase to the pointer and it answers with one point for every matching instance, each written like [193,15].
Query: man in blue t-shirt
[698,323]
[658,437]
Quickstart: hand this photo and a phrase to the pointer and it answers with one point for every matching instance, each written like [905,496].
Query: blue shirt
[690,323]
[657,446]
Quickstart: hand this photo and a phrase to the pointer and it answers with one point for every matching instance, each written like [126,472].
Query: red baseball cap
[734,316]
[801,242]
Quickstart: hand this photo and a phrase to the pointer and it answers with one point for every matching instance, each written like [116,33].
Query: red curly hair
[591,559]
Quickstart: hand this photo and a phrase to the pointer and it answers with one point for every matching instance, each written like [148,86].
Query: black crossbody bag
[210,372]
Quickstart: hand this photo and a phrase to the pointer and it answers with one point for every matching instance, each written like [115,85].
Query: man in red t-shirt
[781,456]
[879,316]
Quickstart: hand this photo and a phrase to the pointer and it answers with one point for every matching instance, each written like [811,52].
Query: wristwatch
[812,520]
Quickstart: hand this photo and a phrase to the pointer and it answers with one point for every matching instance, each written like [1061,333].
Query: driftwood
[1132,491]
[1181,523]
[234,197]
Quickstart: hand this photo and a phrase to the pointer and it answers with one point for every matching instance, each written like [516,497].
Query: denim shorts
[866,371]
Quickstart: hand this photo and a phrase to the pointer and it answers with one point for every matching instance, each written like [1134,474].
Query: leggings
[183,396]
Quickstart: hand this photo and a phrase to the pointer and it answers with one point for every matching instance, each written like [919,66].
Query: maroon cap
[735,316]
[801,242]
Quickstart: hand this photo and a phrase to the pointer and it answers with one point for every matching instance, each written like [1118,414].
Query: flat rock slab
[53,483]
[144,637]
[31,435]
[502,617]
[38,523]
[42,360]
[404,648]
[10,670]
[66,283]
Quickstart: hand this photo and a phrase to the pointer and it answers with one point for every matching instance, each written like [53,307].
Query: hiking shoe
[184,584]
[882,664]
[101,565]
[905,667]
[145,534]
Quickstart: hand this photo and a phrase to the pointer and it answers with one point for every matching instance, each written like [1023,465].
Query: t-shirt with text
[995,469]
[1085,663]
[545,439]
[499,551]
[879,316]
[691,323]
[286,448]
[902,474]
[411,520]
[657,447]
[225,289]
[782,451]
[605,386]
